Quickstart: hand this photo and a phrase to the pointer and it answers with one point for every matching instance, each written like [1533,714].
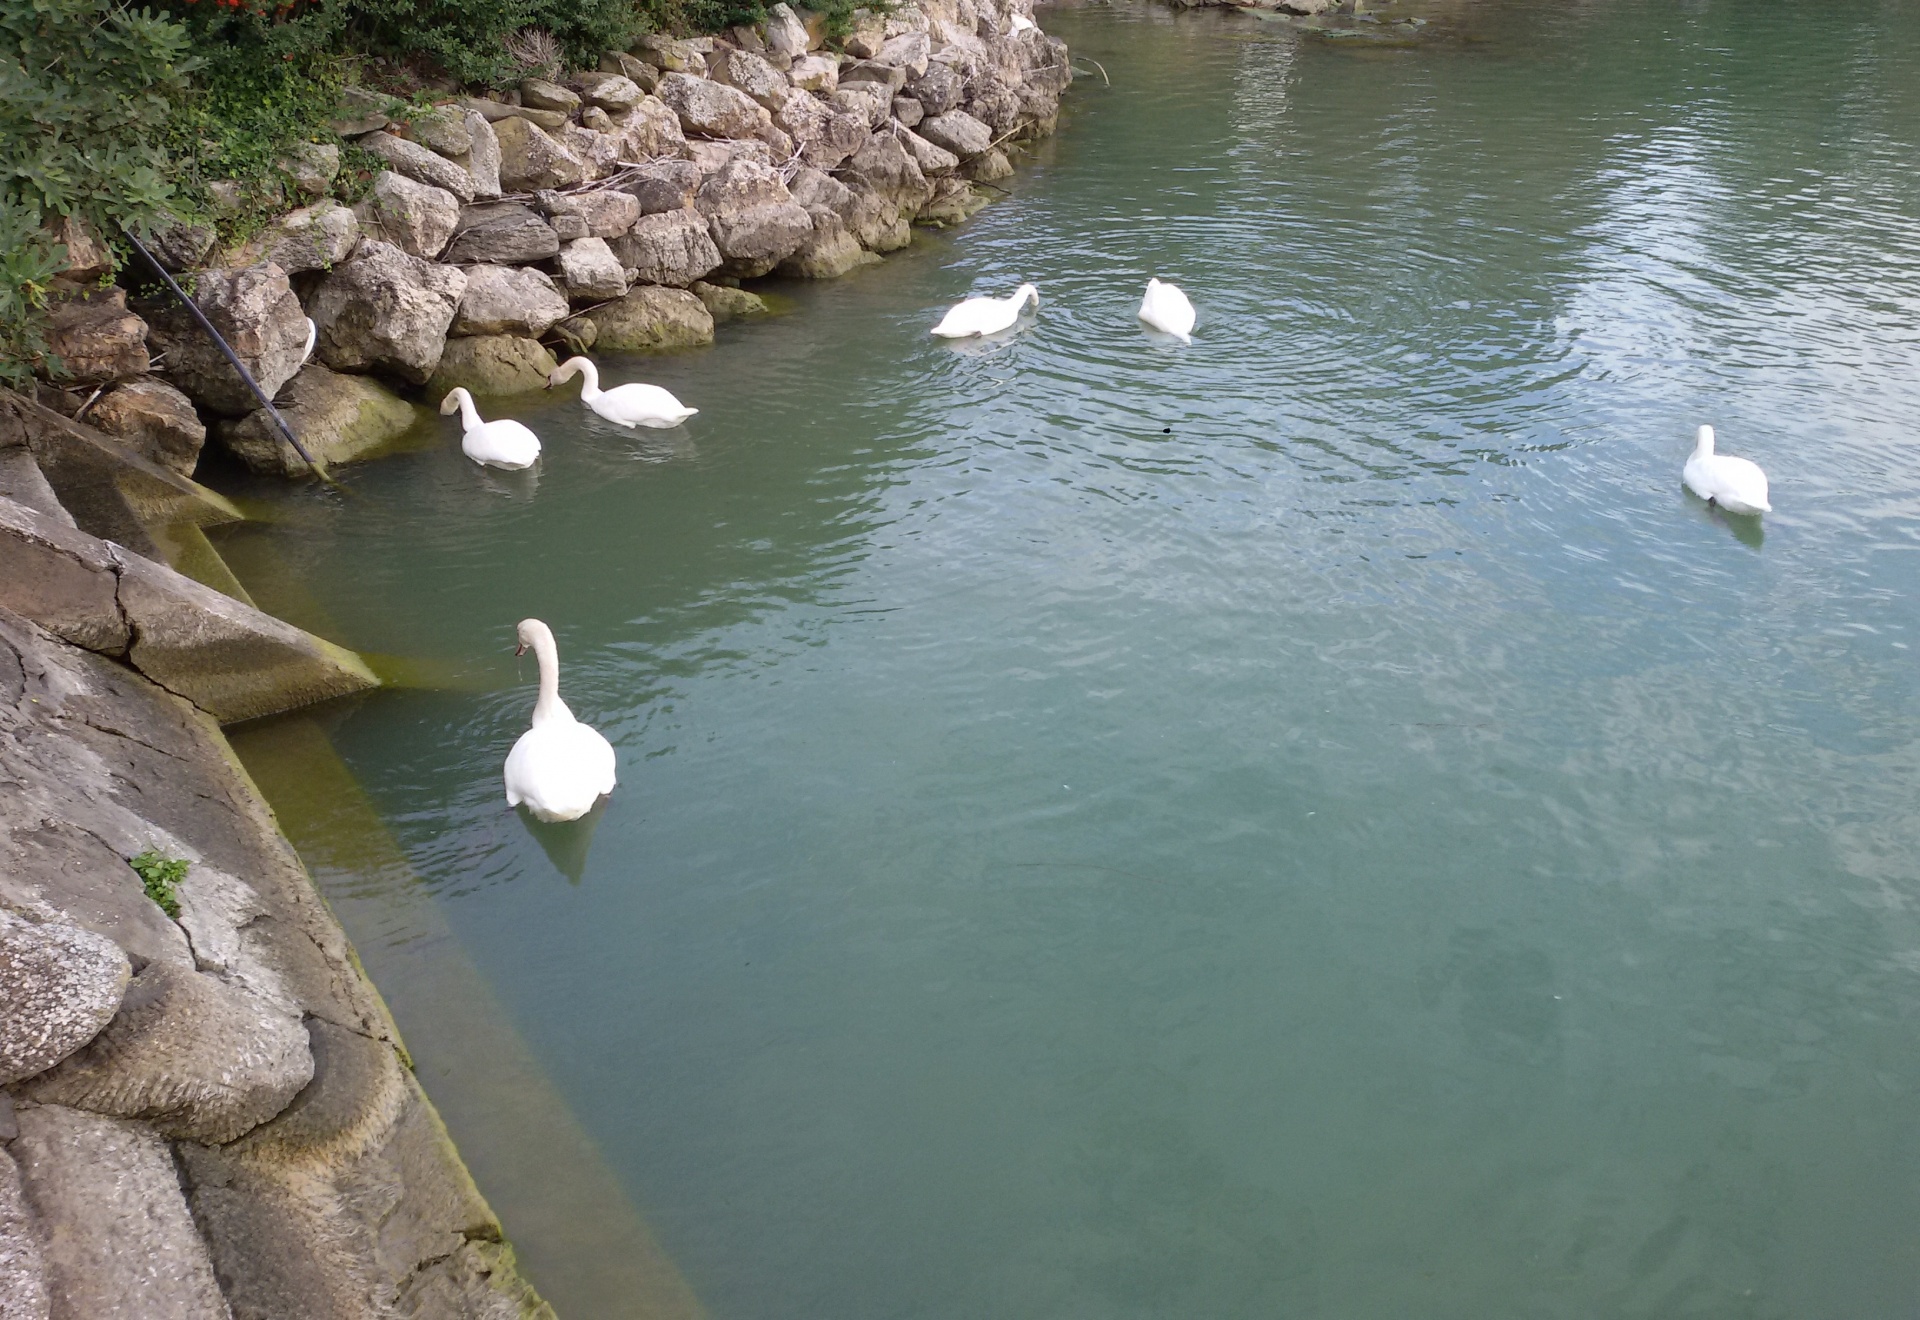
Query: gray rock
[651,318]
[153,419]
[361,111]
[939,90]
[504,233]
[180,246]
[608,211]
[494,112]
[23,1271]
[958,132]
[907,112]
[649,130]
[785,34]
[544,95]
[315,237]
[825,136]
[598,153]
[671,55]
[255,311]
[908,51]
[417,218]
[420,164]
[61,985]
[570,227]
[96,338]
[870,102]
[867,34]
[815,73]
[953,200]
[669,247]
[711,109]
[829,251]
[885,167]
[611,91]
[503,300]
[989,167]
[757,78]
[712,157]
[932,160]
[598,120]
[311,167]
[118,1241]
[754,220]
[64,580]
[644,75]
[492,364]
[812,187]
[338,418]
[386,311]
[725,303]
[996,108]
[531,160]
[590,272]
[890,77]
[483,161]
[443,129]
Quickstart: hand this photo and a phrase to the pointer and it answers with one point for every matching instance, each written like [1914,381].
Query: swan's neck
[1703,444]
[469,415]
[549,707]
[589,379]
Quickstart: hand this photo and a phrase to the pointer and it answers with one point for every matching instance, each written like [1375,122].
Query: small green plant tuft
[161,876]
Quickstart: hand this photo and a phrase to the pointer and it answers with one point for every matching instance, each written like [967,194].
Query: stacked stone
[616,210]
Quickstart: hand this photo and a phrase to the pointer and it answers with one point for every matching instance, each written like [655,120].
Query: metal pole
[319,468]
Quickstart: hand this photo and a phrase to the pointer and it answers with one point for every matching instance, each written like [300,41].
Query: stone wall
[610,210]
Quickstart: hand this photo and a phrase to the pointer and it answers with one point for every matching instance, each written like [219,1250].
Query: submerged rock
[492,364]
[339,418]
[725,303]
[651,318]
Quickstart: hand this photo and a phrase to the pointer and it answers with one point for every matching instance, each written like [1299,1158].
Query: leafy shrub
[161,876]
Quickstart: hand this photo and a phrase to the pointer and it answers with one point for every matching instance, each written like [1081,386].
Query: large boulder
[890,78]
[504,300]
[386,311]
[996,108]
[597,152]
[815,73]
[886,168]
[492,364]
[725,303]
[670,247]
[483,161]
[61,985]
[785,35]
[590,271]
[932,160]
[826,136]
[757,78]
[420,164]
[417,218]
[607,211]
[907,112]
[671,54]
[651,318]
[442,129]
[867,33]
[310,167]
[504,233]
[711,109]
[829,252]
[154,420]
[908,51]
[255,311]
[754,220]
[531,160]
[96,338]
[959,132]
[612,92]
[314,237]
[870,102]
[649,130]
[339,418]
[940,89]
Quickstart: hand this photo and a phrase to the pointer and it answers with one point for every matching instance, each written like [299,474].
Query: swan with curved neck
[1735,484]
[623,405]
[1167,309]
[560,767]
[503,444]
[985,316]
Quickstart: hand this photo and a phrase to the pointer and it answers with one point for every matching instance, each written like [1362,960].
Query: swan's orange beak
[520,649]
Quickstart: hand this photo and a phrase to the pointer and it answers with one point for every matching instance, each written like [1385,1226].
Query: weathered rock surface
[829,251]
[119,1242]
[315,237]
[590,271]
[96,338]
[607,211]
[417,218]
[495,111]
[711,109]
[442,130]
[530,159]
[23,1271]
[869,102]
[670,247]
[724,303]
[483,158]
[786,35]
[889,77]
[598,153]
[155,420]
[388,311]
[884,166]
[815,73]
[504,233]
[939,90]
[311,167]
[612,92]
[420,164]
[753,218]
[255,311]
[758,79]
[671,54]
[339,418]
[87,258]
[825,135]
[505,300]
[651,318]
[648,131]
[932,160]
[60,985]
[544,95]
[908,51]
[957,131]
[492,364]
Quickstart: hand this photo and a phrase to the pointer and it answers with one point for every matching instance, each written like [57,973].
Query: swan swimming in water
[502,444]
[560,767]
[623,405]
[985,316]
[1735,484]
[1166,308]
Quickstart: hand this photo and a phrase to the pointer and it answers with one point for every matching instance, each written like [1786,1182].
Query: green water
[1312,823]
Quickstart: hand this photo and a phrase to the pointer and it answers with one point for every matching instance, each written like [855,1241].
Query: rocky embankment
[610,210]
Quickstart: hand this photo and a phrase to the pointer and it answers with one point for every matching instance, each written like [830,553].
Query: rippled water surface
[1312,823]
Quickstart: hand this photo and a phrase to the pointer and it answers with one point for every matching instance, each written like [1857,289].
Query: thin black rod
[319,469]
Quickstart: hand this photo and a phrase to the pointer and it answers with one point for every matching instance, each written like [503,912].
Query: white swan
[502,444]
[623,405]
[560,767]
[985,316]
[1166,308]
[313,334]
[1735,484]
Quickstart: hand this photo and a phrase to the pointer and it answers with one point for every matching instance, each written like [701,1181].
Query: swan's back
[504,444]
[1167,309]
[559,769]
[1735,484]
[642,404]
